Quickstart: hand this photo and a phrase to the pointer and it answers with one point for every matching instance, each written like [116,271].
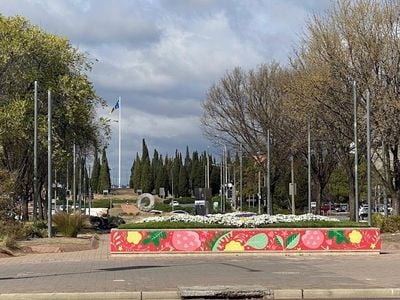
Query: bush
[8,241]
[35,230]
[69,225]
[377,220]
[390,224]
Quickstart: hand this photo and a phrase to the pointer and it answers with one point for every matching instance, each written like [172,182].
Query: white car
[174,203]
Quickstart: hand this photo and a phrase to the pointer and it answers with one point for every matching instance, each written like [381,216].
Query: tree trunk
[353,210]
[396,203]
[25,214]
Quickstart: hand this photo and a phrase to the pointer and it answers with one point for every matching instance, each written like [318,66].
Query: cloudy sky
[161,56]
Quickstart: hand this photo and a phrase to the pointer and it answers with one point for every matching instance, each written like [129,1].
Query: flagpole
[119,142]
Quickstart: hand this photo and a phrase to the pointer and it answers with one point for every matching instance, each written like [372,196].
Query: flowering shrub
[237,219]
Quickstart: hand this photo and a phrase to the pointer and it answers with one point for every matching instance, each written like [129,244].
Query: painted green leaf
[279,240]
[292,240]
[339,236]
[146,241]
[154,237]
[258,241]
[216,243]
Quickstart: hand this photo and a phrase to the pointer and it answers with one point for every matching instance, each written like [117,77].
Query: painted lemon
[134,237]
[234,246]
[355,237]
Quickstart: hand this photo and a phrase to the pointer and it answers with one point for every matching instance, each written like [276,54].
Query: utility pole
[35,185]
[49,154]
[259,192]
[355,154]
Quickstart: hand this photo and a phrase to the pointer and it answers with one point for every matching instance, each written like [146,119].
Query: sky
[161,57]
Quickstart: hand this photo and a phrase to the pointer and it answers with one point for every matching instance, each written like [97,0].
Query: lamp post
[49,179]
[355,153]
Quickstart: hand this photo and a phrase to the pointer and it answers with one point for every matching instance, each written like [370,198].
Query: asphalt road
[90,272]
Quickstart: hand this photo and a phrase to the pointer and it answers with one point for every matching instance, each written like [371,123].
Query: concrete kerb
[377,293]
[373,293]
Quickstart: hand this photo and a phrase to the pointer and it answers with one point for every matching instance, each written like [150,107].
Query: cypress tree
[104,178]
[183,185]
[146,176]
[94,180]
[137,173]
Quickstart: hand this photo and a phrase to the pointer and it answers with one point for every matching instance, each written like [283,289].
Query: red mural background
[245,240]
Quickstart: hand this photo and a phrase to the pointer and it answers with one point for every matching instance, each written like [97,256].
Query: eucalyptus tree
[28,54]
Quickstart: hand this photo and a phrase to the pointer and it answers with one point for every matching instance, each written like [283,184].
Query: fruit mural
[245,240]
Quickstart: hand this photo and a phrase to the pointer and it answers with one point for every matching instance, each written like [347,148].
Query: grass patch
[184,225]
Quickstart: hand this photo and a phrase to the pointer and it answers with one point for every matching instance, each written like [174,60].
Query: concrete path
[96,271]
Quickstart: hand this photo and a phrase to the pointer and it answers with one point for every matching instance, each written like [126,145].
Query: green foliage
[8,241]
[182,200]
[146,180]
[28,54]
[389,224]
[69,225]
[34,230]
[94,180]
[104,177]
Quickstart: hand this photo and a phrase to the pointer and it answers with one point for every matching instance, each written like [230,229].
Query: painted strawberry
[312,239]
[184,240]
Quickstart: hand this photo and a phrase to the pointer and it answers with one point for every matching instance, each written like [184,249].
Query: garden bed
[297,240]
[253,233]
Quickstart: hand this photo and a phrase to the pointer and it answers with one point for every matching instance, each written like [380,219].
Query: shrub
[391,224]
[8,241]
[69,225]
[377,220]
[35,230]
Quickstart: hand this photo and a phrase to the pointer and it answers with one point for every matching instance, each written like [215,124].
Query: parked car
[363,212]
[174,203]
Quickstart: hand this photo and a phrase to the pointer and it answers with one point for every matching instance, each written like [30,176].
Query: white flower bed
[236,220]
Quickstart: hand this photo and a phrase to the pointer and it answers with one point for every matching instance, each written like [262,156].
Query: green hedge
[303,224]
[167,208]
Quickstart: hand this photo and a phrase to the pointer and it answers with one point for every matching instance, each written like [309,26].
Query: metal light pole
[385,198]
[309,165]
[49,152]
[35,185]
[355,153]
[293,188]
[67,187]
[369,160]
[241,178]
[74,177]
[259,192]
[269,202]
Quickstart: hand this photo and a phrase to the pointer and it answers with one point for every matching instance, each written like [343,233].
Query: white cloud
[162,56]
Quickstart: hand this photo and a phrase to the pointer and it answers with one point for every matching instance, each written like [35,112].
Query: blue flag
[116,106]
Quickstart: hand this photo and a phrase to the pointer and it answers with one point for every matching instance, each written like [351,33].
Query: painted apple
[184,240]
[312,239]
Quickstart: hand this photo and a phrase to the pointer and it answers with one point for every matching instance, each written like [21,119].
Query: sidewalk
[77,275]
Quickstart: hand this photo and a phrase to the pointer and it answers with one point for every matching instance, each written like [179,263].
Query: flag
[116,106]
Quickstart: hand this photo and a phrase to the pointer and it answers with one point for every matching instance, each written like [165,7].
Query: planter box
[296,240]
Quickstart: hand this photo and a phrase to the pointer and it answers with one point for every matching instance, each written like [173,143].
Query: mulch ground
[56,244]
